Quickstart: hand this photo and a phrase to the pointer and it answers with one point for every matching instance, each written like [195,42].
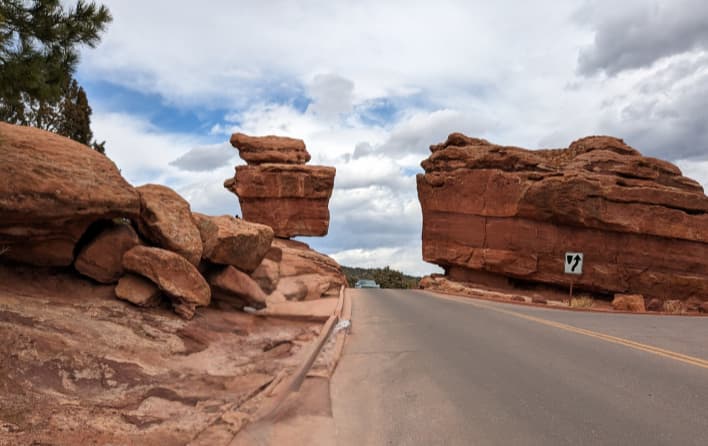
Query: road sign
[574,263]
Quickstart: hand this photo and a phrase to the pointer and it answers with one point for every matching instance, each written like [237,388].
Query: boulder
[232,241]
[232,282]
[173,274]
[306,274]
[291,199]
[270,149]
[629,302]
[208,232]
[166,220]
[512,212]
[102,258]
[138,291]
[267,275]
[51,190]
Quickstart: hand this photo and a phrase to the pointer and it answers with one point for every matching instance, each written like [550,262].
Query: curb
[292,384]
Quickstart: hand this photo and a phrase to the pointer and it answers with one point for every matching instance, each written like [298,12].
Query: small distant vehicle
[366,283]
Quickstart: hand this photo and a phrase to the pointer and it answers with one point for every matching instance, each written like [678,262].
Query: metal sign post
[574,266]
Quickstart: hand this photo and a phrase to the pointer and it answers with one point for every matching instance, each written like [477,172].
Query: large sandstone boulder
[305,274]
[232,241]
[506,211]
[138,291]
[173,274]
[229,281]
[51,190]
[270,149]
[166,220]
[102,258]
[291,199]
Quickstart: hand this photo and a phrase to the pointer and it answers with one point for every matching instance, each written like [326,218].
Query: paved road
[419,369]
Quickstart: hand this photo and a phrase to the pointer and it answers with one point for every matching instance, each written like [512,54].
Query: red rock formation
[270,149]
[511,212]
[102,258]
[229,281]
[278,190]
[232,241]
[293,200]
[304,274]
[51,190]
[166,220]
[138,291]
[173,274]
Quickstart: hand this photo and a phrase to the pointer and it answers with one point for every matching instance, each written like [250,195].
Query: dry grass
[673,306]
[582,302]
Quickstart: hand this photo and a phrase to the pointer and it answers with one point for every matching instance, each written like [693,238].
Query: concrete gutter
[267,419]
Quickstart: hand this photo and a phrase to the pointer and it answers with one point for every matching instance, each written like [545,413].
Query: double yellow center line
[698,362]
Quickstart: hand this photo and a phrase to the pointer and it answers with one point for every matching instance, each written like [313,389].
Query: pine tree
[39,42]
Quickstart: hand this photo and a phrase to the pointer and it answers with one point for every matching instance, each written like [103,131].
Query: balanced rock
[232,241]
[511,212]
[231,282]
[270,149]
[291,199]
[138,291]
[51,190]
[166,220]
[173,274]
[102,258]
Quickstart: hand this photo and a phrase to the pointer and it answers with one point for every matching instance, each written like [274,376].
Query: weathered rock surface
[513,212]
[231,282]
[270,149]
[138,290]
[102,258]
[166,220]
[173,274]
[291,199]
[51,190]
[232,241]
[305,274]
[134,376]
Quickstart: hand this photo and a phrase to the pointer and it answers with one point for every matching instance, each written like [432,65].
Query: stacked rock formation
[277,189]
[63,204]
[492,213]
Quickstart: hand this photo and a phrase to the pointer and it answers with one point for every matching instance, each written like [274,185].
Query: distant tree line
[39,44]
[385,277]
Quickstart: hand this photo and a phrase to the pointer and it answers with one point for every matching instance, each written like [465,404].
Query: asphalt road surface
[421,369]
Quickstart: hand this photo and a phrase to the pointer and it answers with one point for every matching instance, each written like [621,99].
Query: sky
[370,85]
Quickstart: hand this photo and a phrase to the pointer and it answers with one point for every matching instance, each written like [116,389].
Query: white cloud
[370,85]
[406,259]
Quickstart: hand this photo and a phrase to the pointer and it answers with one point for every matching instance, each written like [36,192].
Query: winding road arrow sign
[574,263]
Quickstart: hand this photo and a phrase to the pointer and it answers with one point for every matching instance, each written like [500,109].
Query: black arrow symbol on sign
[575,265]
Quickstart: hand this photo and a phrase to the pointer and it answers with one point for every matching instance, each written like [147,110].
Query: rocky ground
[78,366]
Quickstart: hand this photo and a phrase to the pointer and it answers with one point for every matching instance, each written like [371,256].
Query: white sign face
[574,263]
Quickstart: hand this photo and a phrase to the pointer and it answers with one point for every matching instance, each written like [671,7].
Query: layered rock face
[277,189]
[493,212]
[51,190]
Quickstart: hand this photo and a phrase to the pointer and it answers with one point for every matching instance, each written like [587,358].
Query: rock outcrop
[173,274]
[51,190]
[493,212]
[277,189]
[270,149]
[166,220]
[102,258]
[138,290]
[305,274]
[232,241]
